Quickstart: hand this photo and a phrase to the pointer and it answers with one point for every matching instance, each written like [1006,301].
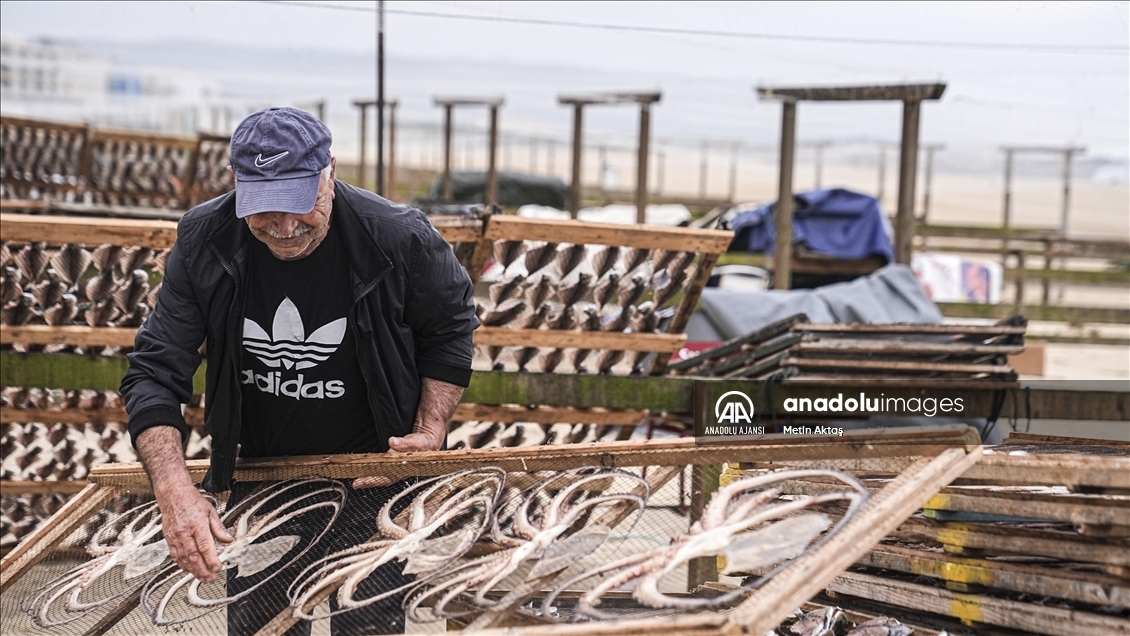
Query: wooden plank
[891,92]
[56,230]
[979,538]
[846,345]
[52,206]
[986,232]
[735,344]
[897,365]
[655,452]
[510,413]
[974,609]
[884,381]
[457,229]
[1072,509]
[866,327]
[102,135]
[79,335]
[8,120]
[768,606]
[513,228]
[193,416]
[1051,313]
[507,337]
[1071,276]
[67,371]
[1095,589]
[51,532]
[42,487]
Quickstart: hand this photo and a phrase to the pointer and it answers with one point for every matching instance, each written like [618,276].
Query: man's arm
[188,520]
[438,400]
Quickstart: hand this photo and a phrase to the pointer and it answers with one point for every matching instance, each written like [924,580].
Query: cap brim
[293,196]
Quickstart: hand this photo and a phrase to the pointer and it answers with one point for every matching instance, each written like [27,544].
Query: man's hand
[191,525]
[437,404]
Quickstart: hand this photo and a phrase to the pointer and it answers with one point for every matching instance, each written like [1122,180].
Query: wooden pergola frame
[449,104]
[911,96]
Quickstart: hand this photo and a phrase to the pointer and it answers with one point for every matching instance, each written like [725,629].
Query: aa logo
[733,407]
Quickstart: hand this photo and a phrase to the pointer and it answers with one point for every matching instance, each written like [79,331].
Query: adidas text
[273,383]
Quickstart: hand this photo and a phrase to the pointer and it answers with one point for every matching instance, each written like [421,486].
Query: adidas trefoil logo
[287,345]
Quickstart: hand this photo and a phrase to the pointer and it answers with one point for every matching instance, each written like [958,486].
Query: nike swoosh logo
[260,162]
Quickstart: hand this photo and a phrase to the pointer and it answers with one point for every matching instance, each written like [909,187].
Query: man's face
[294,236]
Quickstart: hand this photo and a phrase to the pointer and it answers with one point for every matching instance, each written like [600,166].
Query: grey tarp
[892,294]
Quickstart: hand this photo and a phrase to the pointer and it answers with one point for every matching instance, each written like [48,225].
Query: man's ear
[333,168]
[230,170]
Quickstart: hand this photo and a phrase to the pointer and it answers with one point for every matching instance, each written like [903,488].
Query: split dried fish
[552,360]
[62,312]
[568,258]
[105,257]
[605,260]
[606,289]
[566,319]
[262,512]
[32,259]
[620,322]
[131,291]
[537,293]
[633,258]
[538,257]
[440,503]
[537,318]
[572,294]
[661,259]
[524,356]
[722,530]
[506,252]
[10,288]
[71,261]
[101,286]
[821,622]
[50,291]
[880,626]
[607,360]
[132,258]
[670,288]
[632,290]
[19,311]
[504,290]
[504,314]
[645,320]
[101,313]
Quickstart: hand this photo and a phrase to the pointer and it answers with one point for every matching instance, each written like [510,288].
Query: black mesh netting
[481,546]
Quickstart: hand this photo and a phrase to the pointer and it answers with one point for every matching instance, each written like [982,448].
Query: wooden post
[1067,153]
[602,164]
[783,254]
[492,157]
[734,172]
[704,483]
[533,155]
[1006,222]
[819,164]
[908,168]
[882,173]
[641,163]
[702,167]
[926,183]
[575,204]
[447,185]
[659,170]
[364,133]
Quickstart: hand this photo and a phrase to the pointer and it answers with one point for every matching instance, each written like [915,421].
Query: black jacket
[413,314]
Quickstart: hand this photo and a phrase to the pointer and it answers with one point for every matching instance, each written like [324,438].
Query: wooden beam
[1074,509]
[680,239]
[507,337]
[975,610]
[904,347]
[1051,313]
[50,533]
[1094,589]
[893,365]
[457,229]
[42,487]
[56,230]
[79,335]
[511,413]
[891,92]
[904,328]
[655,452]
[193,416]
[767,607]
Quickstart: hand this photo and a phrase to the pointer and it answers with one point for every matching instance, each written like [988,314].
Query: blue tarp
[836,222]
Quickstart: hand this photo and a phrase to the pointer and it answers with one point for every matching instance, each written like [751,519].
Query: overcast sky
[994,96]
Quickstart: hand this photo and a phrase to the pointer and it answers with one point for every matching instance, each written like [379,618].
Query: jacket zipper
[235,353]
[360,353]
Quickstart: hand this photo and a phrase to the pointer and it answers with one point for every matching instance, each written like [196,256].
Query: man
[334,322]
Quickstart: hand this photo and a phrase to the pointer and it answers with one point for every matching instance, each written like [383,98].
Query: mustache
[299,230]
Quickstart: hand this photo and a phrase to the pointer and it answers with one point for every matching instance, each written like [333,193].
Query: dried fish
[880,626]
[590,319]
[632,290]
[537,318]
[551,360]
[71,261]
[604,260]
[607,360]
[670,288]
[105,256]
[621,321]
[5,255]
[254,518]
[579,360]
[506,252]
[49,291]
[568,258]
[646,320]
[134,318]
[151,297]
[32,259]
[504,314]
[524,356]
[10,288]
[603,293]
[723,528]
[538,257]
[100,286]
[571,294]
[436,504]
[565,319]
[680,263]
[633,258]
[101,313]
[130,293]
[821,622]
[132,258]
[504,290]
[19,311]
[160,259]
[661,259]
[537,293]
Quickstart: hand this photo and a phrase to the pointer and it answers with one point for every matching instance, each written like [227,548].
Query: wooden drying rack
[944,454]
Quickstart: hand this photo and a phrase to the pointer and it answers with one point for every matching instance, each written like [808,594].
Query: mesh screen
[480,546]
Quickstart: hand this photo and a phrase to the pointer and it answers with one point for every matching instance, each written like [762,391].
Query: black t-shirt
[303,392]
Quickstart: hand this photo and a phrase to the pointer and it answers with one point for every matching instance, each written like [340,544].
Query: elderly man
[334,322]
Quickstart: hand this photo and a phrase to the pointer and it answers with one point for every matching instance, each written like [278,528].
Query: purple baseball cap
[277,155]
